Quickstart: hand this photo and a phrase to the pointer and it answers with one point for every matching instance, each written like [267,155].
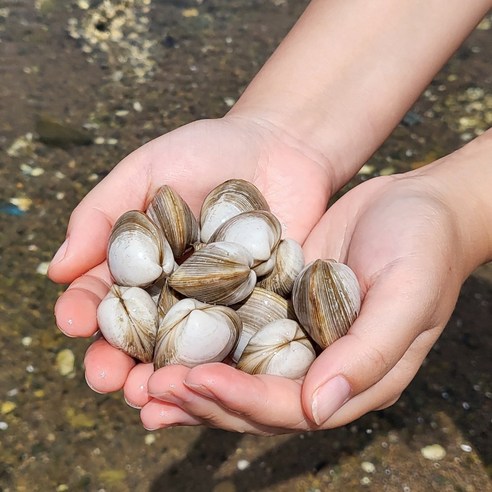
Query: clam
[195,333]
[138,252]
[127,318]
[257,310]
[280,348]
[173,215]
[288,263]
[327,299]
[218,273]
[258,231]
[168,297]
[227,200]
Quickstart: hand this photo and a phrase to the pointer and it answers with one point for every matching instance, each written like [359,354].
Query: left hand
[403,240]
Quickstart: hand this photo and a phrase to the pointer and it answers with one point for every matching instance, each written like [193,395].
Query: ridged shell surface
[327,299]
[173,215]
[227,200]
[127,318]
[289,261]
[218,273]
[257,310]
[195,333]
[280,348]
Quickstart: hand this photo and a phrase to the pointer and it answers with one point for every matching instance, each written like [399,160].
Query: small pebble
[243,464]
[65,362]
[387,171]
[137,107]
[42,268]
[365,481]
[191,12]
[149,439]
[466,448]
[434,452]
[368,467]
[26,341]
[23,203]
[230,101]
[7,407]
[4,426]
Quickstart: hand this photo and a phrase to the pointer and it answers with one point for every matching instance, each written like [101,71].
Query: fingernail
[60,254]
[200,389]
[328,398]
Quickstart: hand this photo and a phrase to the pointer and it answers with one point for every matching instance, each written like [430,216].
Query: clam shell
[195,333]
[258,231]
[280,348]
[173,215]
[138,253]
[168,297]
[289,261]
[256,311]
[327,299]
[227,200]
[127,318]
[218,273]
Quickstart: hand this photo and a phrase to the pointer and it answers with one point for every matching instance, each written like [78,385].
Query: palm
[192,159]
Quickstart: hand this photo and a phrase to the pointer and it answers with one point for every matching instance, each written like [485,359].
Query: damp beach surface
[86,82]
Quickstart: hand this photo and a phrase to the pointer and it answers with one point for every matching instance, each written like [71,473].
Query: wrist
[462,180]
[345,75]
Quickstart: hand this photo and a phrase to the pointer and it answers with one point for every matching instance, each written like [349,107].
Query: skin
[304,126]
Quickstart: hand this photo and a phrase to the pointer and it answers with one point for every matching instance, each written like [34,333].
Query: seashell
[168,297]
[138,252]
[280,348]
[327,299]
[218,273]
[258,231]
[195,333]
[256,311]
[289,261]
[173,215]
[227,200]
[127,318]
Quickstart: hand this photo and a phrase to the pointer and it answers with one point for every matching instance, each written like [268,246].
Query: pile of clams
[224,288]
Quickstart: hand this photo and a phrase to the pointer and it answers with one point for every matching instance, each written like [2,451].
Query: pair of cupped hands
[397,233]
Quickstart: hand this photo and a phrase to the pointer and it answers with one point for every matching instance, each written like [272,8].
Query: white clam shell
[127,318]
[280,348]
[327,299]
[217,273]
[195,333]
[258,231]
[227,200]
[138,253]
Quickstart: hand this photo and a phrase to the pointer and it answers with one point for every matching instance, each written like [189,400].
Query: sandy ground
[79,90]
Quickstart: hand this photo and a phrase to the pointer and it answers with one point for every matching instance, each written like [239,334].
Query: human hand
[411,242]
[192,159]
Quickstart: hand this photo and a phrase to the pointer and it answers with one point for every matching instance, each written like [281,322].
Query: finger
[393,314]
[388,390]
[267,401]
[106,368]
[158,415]
[75,309]
[135,389]
[91,222]
[167,384]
